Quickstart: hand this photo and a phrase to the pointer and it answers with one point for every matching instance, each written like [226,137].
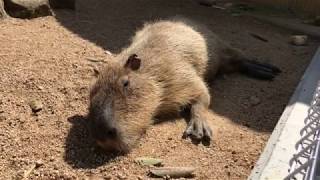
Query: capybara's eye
[125,83]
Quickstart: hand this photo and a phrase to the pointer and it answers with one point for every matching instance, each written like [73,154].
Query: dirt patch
[45,59]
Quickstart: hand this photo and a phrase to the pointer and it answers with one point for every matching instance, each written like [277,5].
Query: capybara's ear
[133,62]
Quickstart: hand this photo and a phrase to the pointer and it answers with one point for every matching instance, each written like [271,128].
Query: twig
[29,171]
[96,60]
[218,7]
[259,37]
[175,172]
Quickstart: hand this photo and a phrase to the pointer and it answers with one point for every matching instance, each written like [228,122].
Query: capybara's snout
[107,136]
[113,146]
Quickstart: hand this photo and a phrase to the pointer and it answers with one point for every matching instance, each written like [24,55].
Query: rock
[146,161]
[174,172]
[3,13]
[39,163]
[35,106]
[27,8]
[254,100]
[207,2]
[63,4]
[299,40]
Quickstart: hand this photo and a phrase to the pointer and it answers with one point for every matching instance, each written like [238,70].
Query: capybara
[165,68]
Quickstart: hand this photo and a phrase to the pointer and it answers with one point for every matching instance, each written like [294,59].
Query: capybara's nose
[111,133]
[103,132]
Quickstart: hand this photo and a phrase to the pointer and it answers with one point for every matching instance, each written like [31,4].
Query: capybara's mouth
[113,146]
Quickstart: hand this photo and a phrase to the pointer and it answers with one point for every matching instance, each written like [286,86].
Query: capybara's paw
[198,130]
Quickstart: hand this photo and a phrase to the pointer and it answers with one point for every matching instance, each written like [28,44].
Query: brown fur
[176,59]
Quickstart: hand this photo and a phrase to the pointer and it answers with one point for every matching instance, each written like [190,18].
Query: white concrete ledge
[273,163]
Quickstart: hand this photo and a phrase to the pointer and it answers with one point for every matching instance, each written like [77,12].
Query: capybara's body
[165,68]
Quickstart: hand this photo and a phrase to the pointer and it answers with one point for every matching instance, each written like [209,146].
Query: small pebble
[254,100]
[299,40]
[35,106]
[40,87]
[39,163]
[52,158]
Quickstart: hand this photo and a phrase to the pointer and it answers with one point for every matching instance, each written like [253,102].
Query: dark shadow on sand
[81,151]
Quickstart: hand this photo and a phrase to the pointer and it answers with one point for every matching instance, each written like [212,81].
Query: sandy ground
[45,59]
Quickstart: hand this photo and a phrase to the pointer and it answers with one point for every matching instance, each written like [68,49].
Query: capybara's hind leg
[198,127]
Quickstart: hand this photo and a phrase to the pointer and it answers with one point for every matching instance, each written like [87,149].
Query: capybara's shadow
[80,150]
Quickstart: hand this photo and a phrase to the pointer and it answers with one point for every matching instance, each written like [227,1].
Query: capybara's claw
[198,130]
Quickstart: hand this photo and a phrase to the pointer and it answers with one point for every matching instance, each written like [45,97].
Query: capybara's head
[122,103]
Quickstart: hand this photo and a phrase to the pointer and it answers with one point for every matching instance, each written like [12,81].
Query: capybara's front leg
[198,127]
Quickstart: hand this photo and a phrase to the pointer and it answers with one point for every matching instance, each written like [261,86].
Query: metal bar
[306,161]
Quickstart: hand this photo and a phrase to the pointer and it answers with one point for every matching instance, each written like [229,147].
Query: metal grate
[305,163]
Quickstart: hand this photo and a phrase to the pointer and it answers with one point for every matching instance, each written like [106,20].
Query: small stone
[121,176]
[299,40]
[52,158]
[75,66]
[35,106]
[39,163]
[140,178]
[40,87]
[254,100]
